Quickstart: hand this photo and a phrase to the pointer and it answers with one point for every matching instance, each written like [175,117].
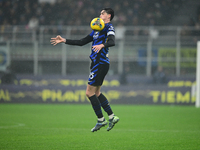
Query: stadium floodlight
[198,76]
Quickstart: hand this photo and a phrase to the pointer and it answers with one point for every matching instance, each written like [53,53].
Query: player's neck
[106,21]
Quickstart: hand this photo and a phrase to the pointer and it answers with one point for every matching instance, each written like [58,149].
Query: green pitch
[67,127]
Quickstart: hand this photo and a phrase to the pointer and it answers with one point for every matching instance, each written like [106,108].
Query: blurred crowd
[194,22]
[80,12]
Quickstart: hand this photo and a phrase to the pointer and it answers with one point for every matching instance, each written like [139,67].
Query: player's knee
[88,94]
[97,93]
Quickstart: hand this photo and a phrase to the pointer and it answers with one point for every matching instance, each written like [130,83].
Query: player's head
[109,11]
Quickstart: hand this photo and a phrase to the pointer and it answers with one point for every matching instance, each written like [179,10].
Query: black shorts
[97,74]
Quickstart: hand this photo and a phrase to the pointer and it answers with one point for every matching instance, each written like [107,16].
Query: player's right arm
[81,42]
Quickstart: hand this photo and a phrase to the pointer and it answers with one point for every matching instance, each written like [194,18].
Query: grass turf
[60,127]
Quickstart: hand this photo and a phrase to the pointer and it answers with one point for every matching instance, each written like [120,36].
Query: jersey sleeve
[111,37]
[80,42]
[110,42]
[111,30]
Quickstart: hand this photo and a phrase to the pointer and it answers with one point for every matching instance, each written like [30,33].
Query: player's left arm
[110,42]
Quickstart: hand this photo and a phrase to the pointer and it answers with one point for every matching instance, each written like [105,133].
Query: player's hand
[97,48]
[57,39]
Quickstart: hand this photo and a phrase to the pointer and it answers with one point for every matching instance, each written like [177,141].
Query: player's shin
[106,106]
[96,106]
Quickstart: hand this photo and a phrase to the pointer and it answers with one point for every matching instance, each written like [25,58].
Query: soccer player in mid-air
[101,41]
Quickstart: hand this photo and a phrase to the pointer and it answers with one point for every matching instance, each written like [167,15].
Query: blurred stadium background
[153,62]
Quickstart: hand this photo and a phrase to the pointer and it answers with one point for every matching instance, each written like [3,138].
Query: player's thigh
[98,74]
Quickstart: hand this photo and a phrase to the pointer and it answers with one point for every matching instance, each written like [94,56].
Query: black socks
[105,104]
[96,106]
[99,102]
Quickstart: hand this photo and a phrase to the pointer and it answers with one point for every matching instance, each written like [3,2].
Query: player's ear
[109,16]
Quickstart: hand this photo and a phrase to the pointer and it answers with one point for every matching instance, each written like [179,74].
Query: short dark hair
[109,11]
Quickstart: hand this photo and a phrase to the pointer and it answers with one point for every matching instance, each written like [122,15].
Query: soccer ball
[97,24]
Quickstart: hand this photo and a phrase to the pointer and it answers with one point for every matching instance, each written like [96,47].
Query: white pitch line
[118,130]
[135,130]
[13,126]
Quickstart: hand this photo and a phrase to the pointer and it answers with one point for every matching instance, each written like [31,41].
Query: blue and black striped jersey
[101,37]
[106,37]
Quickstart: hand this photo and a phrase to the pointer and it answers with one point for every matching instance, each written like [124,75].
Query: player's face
[104,15]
